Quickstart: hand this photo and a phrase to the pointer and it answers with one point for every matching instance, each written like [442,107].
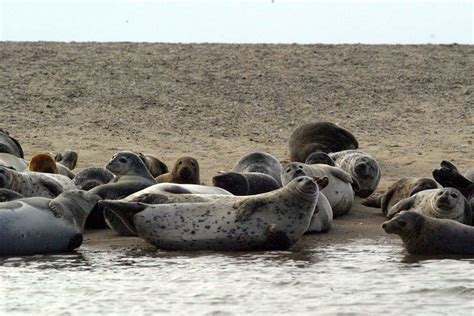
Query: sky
[244,21]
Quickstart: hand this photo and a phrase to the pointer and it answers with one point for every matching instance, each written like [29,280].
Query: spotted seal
[398,191]
[258,161]
[185,171]
[245,183]
[43,162]
[31,184]
[273,221]
[424,235]
[319,137]
[339,191]
[40,225]
[362,167]
[13,162]
[447,203]
[10,145]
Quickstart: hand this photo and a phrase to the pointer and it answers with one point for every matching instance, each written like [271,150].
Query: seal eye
[300,167]
[299,180]
[122,160]
[288,170]
[179,163]
[193,165]
[402,223]
[454,195]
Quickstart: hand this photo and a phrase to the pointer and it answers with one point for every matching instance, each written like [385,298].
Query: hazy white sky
[243,21]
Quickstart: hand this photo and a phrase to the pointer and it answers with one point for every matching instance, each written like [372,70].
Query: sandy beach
[409,106]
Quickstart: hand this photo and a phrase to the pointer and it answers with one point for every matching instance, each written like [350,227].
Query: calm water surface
[360,276]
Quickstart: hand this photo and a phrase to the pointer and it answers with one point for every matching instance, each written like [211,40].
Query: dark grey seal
[259,162]
[245,183]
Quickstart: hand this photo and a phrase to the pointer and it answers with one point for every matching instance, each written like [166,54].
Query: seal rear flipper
[124,211]
[402,205]
[151,198]
[375,200]
[277,239]
[448,165]
[246,208]
[52,186]
[451,178]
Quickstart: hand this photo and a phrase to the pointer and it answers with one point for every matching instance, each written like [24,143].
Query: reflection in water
[365,276]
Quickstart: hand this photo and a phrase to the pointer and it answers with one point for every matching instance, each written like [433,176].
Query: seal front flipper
[375,200]
[322,182]
[124,211]
[403,205]
[277,239]
[246,208]
[52,186]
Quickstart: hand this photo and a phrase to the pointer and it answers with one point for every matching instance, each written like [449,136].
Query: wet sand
[409,106]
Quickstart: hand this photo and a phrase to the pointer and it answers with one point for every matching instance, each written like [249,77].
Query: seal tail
[375,200]
[124,211]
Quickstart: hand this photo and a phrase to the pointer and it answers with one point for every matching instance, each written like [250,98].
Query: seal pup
[268,221]
[10,145]
[318,157]
[43,162]
[67,159]
[40,225]
[131,175]
[401,189]
[447,203]
[321,137]
[245,183]
[259,162]
[154,165]
[362,167]
[92,177]
[13,162]
[423,235]
[31,184]
[185,171]
[339,191]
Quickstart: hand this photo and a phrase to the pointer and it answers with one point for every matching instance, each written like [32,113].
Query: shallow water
[360,276]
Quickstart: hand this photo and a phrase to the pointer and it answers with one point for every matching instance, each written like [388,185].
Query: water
[239,21]
[360,276]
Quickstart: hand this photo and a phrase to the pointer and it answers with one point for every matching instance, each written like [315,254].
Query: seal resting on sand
[185,171]
[423,235]
[259,162]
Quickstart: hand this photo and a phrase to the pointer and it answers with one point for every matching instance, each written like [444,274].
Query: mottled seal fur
[40,225]
[185,171]
[423,235]
[67,159]
[447,203]
[92,177]
[31,184]
[362,167]
[259,162]
[10,145]
[131,175]
[268,221]
[398,191]
[43,162]
[319,157]
[339,191]
[13,162]
[154,165]
[319,137]
[245,183]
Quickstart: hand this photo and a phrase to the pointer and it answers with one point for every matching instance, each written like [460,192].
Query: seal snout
[307,185]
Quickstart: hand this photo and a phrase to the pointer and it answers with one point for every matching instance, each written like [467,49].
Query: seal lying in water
[447,203]
[362,167]
[273,221]
[401,189]
[185,171]
[423,235]
[13,162]
[319,137]
[245,183]
[31,184]
[40,225]
[10,145]
[259,162]
[339,191]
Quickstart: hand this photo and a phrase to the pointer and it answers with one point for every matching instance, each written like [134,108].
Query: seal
[318,157]
[259,162]
[423,235]
[92,177]
[67,159]
[339,191]
[268,221]
[131,175]
[10,145]
[40,225]
[31,184]
[362,167]
[185,171]
[447,203]
[245,183]
[401,189]
[159,194]
[43,162]
[319,137]
[13,162]
[154,165]
[9,195]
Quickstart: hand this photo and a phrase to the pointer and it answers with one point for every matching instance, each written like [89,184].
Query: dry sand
[409,106]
